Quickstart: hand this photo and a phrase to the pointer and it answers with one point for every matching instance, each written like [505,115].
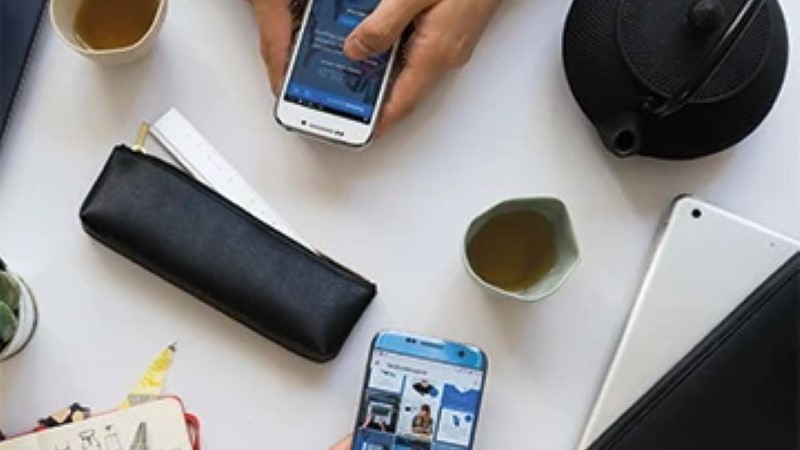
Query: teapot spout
[622,135]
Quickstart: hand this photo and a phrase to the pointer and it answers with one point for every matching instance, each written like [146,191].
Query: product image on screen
[323,78]
[417,404]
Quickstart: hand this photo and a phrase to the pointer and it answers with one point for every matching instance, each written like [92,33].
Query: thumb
[381,29]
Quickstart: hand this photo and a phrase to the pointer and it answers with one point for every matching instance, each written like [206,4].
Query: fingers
[381,29]
[275,27]
[412,83]
[345,444]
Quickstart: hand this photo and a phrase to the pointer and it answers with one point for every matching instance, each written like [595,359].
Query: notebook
[19,21]
[736,390]
[706,263]
[162,420]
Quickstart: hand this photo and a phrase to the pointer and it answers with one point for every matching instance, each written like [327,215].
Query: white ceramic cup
[63,14]
[567,253]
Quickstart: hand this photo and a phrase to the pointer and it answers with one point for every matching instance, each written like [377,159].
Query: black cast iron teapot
[675,79]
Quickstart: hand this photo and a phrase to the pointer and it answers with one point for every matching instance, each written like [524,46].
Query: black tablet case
[19,20]
[736,390]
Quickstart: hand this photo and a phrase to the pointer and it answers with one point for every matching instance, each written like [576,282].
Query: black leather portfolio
[19,20]
[736,390]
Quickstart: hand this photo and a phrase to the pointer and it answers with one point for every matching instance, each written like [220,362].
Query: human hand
[345,444]
[276,22]
[445,33]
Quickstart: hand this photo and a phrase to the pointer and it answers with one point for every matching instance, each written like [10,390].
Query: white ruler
[207,165]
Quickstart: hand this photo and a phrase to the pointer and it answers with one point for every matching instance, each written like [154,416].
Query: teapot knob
[706,16]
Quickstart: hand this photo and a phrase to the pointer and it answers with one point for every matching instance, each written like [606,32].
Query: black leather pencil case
[736,390]
[178,228]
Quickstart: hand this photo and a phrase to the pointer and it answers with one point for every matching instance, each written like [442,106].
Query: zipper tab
[138,146]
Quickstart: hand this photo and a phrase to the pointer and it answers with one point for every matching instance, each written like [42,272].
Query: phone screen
[411,403]
[323,78]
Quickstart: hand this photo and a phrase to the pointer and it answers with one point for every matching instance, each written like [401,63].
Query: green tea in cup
[523,249]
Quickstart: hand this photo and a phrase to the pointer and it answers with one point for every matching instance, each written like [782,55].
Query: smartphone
[420,394]
[326,95]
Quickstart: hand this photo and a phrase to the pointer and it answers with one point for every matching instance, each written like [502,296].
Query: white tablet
[707,262]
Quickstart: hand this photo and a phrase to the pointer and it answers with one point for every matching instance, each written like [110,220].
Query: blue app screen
[415,404]
[323,78]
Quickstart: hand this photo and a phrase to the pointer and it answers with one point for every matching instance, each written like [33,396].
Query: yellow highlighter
[151,385]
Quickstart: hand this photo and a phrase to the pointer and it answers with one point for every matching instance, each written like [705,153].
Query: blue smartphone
[420,394]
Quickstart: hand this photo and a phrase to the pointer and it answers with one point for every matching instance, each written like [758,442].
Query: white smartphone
[326,95]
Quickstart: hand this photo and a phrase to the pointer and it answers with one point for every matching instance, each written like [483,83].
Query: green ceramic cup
[566,246]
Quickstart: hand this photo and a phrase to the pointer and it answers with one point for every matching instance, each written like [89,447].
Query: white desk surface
[505,126]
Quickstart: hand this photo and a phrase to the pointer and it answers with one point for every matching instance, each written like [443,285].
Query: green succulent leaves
[9,306]
[8,324]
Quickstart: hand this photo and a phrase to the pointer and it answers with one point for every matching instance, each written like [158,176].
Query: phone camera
[303,122]
[696,213]
[462,353]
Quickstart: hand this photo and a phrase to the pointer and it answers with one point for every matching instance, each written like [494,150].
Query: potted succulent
[18,314]
[9,310]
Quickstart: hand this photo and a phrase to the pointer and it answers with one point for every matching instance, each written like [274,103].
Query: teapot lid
[667,43]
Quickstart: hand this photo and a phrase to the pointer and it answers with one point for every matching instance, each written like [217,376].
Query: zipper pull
[138,146]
